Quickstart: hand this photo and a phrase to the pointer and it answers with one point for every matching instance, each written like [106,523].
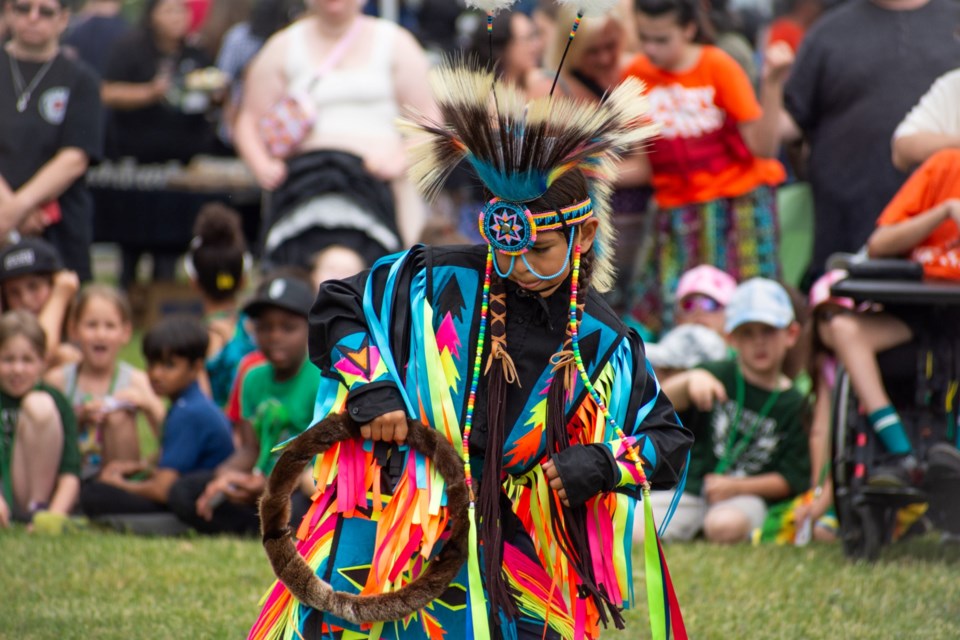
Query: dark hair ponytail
[217,252]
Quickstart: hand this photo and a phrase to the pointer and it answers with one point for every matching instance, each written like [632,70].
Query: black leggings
[240,519]
[100,499]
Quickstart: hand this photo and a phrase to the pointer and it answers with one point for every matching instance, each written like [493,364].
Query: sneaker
[943,460]
[55,524]
[898,472]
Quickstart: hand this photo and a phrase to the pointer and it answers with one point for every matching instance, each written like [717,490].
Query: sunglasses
[699,303]
[25,9]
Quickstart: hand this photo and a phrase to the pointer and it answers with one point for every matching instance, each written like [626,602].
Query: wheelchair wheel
[860,524]
[861,533]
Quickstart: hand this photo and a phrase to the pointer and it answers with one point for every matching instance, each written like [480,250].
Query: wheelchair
[922,381]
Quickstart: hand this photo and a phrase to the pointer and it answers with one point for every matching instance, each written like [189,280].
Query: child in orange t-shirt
[921,221]
[714,175]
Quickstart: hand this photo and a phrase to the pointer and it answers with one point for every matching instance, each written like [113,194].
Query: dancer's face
[547,257]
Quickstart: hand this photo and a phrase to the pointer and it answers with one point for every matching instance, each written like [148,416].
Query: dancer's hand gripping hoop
[294,572]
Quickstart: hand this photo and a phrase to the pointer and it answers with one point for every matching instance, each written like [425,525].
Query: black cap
[28,257]
[290,294]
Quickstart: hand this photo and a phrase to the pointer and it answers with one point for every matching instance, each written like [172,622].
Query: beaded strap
[632,453]
[477,365]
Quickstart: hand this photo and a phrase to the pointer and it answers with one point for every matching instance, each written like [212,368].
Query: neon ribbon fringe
[666,620]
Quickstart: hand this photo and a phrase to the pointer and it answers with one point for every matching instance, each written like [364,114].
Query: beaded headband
[510,228]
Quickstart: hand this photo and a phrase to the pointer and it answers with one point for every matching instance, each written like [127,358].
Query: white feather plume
[590,8]
[490,6]
[512,143]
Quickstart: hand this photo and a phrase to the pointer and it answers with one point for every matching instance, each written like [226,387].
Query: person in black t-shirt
[94,32]
[154,118]
[50,130]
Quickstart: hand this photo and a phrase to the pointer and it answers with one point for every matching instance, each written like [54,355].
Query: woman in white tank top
[379,70]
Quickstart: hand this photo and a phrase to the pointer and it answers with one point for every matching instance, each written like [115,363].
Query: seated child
[702,294]
[106,393]
[921,221]
[335,262]
[216,264]
[815,515]
[276,403]
[196,435]
[39,461]
[750,449]
[32,278]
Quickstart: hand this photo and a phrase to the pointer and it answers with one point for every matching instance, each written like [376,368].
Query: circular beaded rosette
[508,227]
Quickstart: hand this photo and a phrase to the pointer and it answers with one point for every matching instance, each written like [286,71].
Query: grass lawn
[98,585]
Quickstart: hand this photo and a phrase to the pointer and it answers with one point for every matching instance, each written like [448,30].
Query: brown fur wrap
[294,572]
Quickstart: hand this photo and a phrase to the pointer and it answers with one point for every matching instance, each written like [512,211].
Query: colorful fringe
[738,235]
[411,523]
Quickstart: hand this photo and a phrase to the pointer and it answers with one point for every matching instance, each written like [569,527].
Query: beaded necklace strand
[478,616]
[632,454]
[477,362]
[574,324]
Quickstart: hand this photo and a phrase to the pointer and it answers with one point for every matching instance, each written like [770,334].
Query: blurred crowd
[789,132]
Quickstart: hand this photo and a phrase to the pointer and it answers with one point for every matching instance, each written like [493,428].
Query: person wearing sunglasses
[702,297]
[50,130]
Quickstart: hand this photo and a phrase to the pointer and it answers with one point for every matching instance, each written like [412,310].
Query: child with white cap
[750,449]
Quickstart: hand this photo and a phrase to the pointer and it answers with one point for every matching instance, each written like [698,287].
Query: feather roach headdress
[519,149]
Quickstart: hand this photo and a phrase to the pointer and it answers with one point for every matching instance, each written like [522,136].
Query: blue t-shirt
[196,434]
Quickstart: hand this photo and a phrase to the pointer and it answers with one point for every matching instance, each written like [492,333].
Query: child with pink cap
[702,297]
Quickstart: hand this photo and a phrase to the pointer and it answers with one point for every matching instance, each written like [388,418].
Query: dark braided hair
[569,523]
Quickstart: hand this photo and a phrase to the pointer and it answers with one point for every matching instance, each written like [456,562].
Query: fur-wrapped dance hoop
[294,572]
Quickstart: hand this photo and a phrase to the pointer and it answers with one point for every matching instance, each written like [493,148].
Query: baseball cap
[290,294]
[686,347]
[28,257]
[820,291]
[759,300]
[709,281]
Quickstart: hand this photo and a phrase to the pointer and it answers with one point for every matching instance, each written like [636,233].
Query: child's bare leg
[120,438]
[37,450]
[733,520]
[66,494]
[726,525]
[858,339]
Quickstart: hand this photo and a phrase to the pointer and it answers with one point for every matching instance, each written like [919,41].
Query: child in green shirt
[276,403]
[39,459]
[750,449]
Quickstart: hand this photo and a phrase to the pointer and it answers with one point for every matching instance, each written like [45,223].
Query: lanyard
[87,397]
[736,446]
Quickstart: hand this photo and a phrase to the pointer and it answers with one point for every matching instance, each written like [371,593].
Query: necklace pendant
[22,103]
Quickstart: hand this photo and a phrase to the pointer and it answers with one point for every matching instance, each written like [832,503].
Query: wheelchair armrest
[933,293]
[885,269]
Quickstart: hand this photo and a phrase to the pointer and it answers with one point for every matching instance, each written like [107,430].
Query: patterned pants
[738,235]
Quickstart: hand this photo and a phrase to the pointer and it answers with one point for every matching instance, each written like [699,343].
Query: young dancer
[509,351]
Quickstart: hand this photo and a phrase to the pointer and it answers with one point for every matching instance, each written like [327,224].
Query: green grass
[98,585]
